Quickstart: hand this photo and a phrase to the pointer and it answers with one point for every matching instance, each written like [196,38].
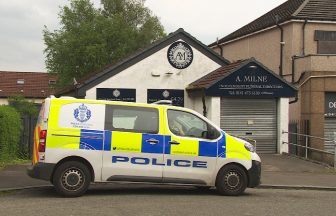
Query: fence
[27,136]
[297,127]
[306,147]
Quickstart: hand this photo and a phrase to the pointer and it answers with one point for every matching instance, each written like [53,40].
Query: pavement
[166,200]
[278,171]
[283,170]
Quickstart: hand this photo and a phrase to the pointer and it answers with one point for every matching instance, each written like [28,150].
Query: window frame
[208,124]
[108,124]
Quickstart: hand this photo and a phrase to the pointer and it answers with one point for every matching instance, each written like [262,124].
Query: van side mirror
[211,133]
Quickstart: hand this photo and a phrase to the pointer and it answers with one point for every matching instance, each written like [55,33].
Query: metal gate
[329,129]
[252,118]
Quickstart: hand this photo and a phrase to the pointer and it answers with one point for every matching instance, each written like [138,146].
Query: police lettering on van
[77,142]
[154,161]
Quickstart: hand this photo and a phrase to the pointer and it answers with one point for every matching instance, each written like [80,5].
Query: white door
[192,146]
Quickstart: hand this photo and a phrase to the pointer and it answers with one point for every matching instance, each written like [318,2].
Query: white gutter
[311,77]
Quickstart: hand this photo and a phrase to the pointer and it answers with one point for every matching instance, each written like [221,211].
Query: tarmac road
[167,200]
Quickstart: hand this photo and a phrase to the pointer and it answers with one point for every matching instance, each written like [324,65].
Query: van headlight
[249,147]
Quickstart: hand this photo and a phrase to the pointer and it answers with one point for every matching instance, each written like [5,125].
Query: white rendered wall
[283,120]
[3,101]
[214,110]
[139,76]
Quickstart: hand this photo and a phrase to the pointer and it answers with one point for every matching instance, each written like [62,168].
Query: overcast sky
[21,24]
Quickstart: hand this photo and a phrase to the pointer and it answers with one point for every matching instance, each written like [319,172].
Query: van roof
[110,102]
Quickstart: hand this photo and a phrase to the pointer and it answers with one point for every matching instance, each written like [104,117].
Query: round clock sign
[180,55]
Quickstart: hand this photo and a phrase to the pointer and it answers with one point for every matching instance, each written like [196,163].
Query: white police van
[81,141]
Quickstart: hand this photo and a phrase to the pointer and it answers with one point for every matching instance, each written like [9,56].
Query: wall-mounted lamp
[253,67]
[155,74]
[169,73]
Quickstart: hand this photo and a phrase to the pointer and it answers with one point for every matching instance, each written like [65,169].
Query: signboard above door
[116,94]
[252,80]
[175,95]
[330,104]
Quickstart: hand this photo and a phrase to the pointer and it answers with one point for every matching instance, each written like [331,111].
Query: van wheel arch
[75,158]
[235,164]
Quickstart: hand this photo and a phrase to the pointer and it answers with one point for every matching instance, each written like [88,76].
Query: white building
[244,98]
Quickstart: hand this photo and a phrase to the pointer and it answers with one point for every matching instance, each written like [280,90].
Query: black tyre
[231,180]
[72,179]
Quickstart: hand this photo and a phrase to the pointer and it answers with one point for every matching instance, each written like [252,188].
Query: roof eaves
[242,64]
[239,66]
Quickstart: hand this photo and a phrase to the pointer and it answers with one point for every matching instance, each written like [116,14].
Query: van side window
[132,119]
[189,125]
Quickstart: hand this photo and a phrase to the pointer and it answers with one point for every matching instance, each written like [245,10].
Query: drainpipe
[282,43]
[204,105]
[304,37]
[294,57]
[295,100]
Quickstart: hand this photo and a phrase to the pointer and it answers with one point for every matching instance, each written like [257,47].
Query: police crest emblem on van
[82,113]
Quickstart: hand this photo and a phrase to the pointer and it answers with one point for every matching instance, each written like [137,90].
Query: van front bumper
[254,174]
[41,171]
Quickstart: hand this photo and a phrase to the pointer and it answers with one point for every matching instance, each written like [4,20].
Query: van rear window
[41,114]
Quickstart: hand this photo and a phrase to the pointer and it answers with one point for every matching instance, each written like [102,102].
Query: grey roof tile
[324,10]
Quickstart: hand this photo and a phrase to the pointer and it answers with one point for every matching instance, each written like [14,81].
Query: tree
[90,38]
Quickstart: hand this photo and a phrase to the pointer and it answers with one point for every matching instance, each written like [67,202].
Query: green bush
[23,106]
[10,129]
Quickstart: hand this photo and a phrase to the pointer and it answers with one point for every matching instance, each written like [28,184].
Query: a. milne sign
[330,104]
[252,81]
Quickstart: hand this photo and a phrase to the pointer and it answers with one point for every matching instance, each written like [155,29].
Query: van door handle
[174,142]
[152,141]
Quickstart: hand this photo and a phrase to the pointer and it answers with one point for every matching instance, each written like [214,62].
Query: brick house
[32,85]
[297,40]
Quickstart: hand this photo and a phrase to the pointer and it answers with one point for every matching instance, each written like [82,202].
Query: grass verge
[4,163]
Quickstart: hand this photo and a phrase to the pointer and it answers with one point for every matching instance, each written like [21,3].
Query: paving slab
[292,171]
[15,176]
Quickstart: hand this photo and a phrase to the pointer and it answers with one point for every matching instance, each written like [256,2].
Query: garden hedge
[10,129]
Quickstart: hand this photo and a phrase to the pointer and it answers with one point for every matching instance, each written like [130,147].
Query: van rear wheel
[231,180]
[72,179]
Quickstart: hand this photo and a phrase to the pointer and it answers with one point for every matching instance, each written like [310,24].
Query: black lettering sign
[175,95]
[116,94]
[330,104]
[254,81]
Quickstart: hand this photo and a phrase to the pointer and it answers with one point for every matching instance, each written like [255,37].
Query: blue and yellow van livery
[81,141]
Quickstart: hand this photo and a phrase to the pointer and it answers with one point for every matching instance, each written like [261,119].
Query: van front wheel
[231,180]
[72,179]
